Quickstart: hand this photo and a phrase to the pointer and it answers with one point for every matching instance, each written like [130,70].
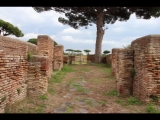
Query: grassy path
[82,89]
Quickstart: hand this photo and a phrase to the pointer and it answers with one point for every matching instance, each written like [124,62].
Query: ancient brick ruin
[137,70]
[58,58]
[21,76]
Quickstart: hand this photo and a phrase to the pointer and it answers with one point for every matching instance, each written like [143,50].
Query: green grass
[112,93]
[84,69]
[151,109]
[51,91]
[129,101]
[108,70]
[133,101]
[59,75]
[42,97]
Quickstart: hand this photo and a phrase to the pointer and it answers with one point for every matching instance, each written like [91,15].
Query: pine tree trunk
[99,38]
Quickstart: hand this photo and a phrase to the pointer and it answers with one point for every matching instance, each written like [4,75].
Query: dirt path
[87,91]
[81,89]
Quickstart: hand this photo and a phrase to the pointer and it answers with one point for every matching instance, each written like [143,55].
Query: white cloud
[75,40]
[71,31]
[118,29]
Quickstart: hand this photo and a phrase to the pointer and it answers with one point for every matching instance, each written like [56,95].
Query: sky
[118,35]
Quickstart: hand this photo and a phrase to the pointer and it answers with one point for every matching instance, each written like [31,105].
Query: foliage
[128,47]
[34,41]
[19,91]
[84,16]
[133,101]
[42,97]
[78,51]
[151,109]
[29,56]
[70,51]
[106,51]
[112,93]
[87,51]
[3,99]
[133,72]
[7,28]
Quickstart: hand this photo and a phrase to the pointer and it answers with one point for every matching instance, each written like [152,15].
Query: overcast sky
[117,35]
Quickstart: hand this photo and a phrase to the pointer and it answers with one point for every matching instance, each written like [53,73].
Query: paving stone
[81,102]
[82,110]
[60,110]
[68,104]
[67,95]
[72,89]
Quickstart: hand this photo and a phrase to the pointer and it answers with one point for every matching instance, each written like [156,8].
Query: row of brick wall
[144,61]
[20,77]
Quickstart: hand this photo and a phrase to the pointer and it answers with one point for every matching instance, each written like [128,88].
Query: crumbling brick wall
[65,59]
[147,67]
[58,57]
[109,59]
[37,79]
[90,58]
[123,75]
[103,59]
[114,60]
[46,48]
[13,70]
[18,77]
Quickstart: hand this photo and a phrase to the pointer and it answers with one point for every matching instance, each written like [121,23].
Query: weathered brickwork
[20,77]
[65,59]
[90,58]
[71,59]
[103,59]
[114,60]
[109,59]
[123,75]
[46,48]
[58,57]
[147,67]
[37,79]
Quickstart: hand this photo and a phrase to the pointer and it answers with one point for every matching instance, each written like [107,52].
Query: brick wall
[46,48]
[90,58]
[114,60]
[65,59]
[58,57]
[109,59]
[123,76]
[18,77]
[37,79]
[147,67]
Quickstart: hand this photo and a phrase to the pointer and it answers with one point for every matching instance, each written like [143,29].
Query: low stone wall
[58,57]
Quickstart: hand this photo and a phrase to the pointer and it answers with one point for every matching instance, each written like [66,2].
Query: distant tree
[84,16]
[78,52]
[106,52]
[127,47]
[7,28]
[87,51]
[70,51]
[34,41]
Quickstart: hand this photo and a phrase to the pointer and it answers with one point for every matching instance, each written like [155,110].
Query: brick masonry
[20,77]
[123,74]
[58,57]
[144,58]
